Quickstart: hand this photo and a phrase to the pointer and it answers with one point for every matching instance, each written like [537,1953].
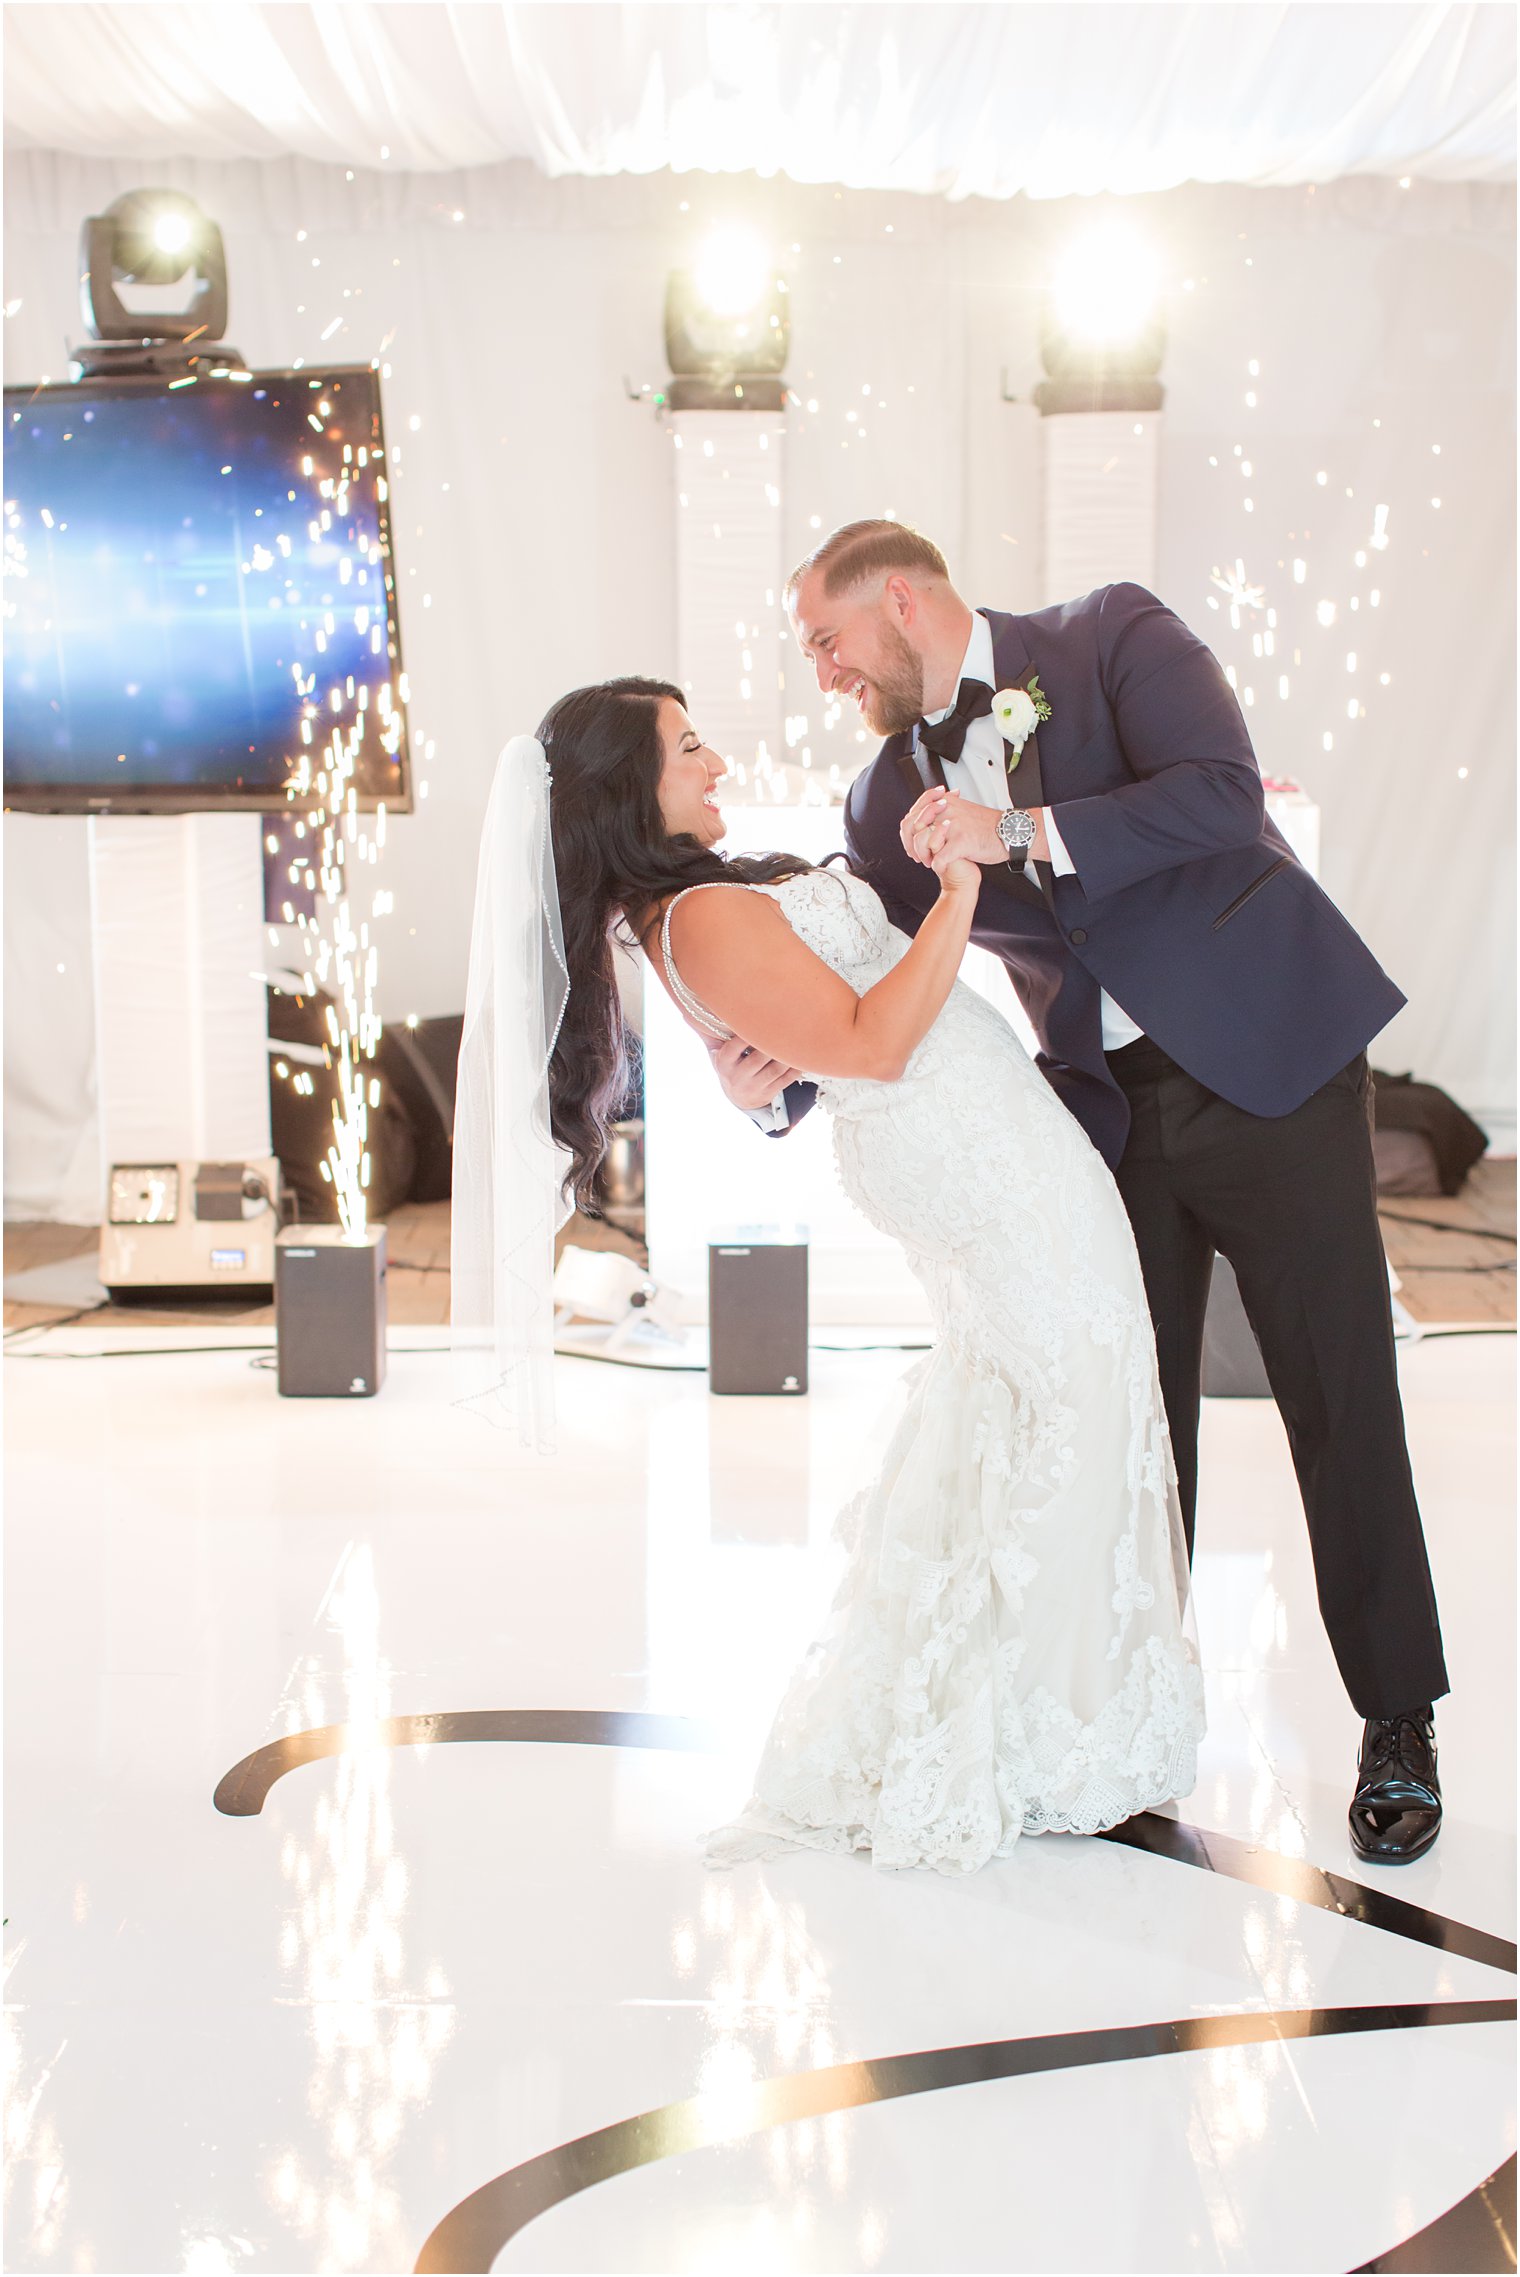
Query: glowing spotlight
[152,237]
[732,272]
[1105,288]
[726,327]
[1102,336]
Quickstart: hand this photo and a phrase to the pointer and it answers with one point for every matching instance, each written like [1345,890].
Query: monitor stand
[182,1052]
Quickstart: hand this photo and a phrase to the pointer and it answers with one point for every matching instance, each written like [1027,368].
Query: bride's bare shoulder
[709,912]
[722,921]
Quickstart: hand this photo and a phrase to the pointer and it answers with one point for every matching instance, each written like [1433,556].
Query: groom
[1202,1008]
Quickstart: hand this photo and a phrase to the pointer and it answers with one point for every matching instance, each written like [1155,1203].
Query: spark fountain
[330,1280]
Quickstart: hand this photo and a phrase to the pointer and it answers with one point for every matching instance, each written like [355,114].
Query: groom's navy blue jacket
[1187,904]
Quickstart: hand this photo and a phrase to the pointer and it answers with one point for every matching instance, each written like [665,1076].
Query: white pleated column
[180,1010]
[729,570]
[1100,500]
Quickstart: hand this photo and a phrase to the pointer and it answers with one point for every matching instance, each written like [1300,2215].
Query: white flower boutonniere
[1018,711]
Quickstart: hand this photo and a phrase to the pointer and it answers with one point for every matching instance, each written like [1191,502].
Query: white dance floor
[458,2001]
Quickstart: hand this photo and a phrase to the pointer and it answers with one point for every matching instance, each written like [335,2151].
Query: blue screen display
[198,598]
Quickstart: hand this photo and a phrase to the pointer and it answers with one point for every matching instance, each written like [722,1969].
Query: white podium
[180,1009]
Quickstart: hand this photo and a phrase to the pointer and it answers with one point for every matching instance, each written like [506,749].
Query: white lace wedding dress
[1006,1654]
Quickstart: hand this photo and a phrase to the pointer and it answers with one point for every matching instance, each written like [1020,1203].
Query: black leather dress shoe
[1396,1811]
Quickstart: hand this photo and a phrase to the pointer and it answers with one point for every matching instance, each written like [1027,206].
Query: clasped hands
[943,827]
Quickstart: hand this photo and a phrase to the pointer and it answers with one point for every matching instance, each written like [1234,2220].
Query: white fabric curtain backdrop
[963,100]
[1332,350]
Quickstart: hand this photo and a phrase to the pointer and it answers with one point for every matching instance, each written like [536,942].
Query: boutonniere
[1018,712]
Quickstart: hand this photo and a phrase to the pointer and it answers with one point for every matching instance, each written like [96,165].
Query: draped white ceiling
[1069,97]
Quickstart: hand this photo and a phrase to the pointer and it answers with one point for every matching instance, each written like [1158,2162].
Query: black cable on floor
[870,1347]
[1440,1225]
[1506,1265]
[143,1351]
[265,1355]
[40,1327]
[645,1367]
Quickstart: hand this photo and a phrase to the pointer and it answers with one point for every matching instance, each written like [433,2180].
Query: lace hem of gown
[938,1717]
[1047,1774]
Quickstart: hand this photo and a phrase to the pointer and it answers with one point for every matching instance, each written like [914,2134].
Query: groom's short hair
[861,550]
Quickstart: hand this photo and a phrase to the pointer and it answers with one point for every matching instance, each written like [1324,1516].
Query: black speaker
[329,1311]
[757,1311]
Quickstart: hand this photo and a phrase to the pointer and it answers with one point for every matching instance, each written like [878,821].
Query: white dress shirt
[981,774]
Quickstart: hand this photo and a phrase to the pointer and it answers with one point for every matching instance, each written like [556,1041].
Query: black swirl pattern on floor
[1477,2235]
[473,2233]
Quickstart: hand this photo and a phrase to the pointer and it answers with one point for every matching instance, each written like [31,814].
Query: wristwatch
[1016,830]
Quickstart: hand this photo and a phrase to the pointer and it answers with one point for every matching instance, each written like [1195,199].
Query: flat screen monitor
[199,596]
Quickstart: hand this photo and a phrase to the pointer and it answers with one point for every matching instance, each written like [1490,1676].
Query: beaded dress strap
[690,1004]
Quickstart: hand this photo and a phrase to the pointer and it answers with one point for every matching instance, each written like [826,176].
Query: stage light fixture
[731,272]
[152,237]
[727,329]
[1105,288]
[1102,334]
[171,233]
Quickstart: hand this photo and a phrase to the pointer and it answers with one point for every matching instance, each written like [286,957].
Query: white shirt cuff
[773,1118]
[1060,861]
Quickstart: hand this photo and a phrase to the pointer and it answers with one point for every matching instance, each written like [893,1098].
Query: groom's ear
[901,597]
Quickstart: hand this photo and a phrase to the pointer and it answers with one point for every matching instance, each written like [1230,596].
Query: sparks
[1238,591]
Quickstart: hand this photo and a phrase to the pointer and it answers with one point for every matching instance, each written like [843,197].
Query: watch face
[144,1193]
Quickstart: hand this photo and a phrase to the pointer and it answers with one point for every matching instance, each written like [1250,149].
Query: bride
[1007,1653]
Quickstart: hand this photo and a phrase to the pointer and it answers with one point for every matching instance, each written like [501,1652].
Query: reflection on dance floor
[428,1989]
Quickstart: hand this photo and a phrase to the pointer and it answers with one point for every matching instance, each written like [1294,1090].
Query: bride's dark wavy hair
[615,862]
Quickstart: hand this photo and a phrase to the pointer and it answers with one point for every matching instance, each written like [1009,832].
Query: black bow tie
[973,701]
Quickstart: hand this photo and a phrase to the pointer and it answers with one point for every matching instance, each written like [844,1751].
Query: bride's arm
[737,953]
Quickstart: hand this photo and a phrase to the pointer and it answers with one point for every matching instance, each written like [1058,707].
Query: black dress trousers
[1291,1201]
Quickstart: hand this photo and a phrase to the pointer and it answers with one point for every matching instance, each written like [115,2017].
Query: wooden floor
[1455,1259]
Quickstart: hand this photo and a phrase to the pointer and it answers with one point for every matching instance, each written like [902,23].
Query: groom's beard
[894,693]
